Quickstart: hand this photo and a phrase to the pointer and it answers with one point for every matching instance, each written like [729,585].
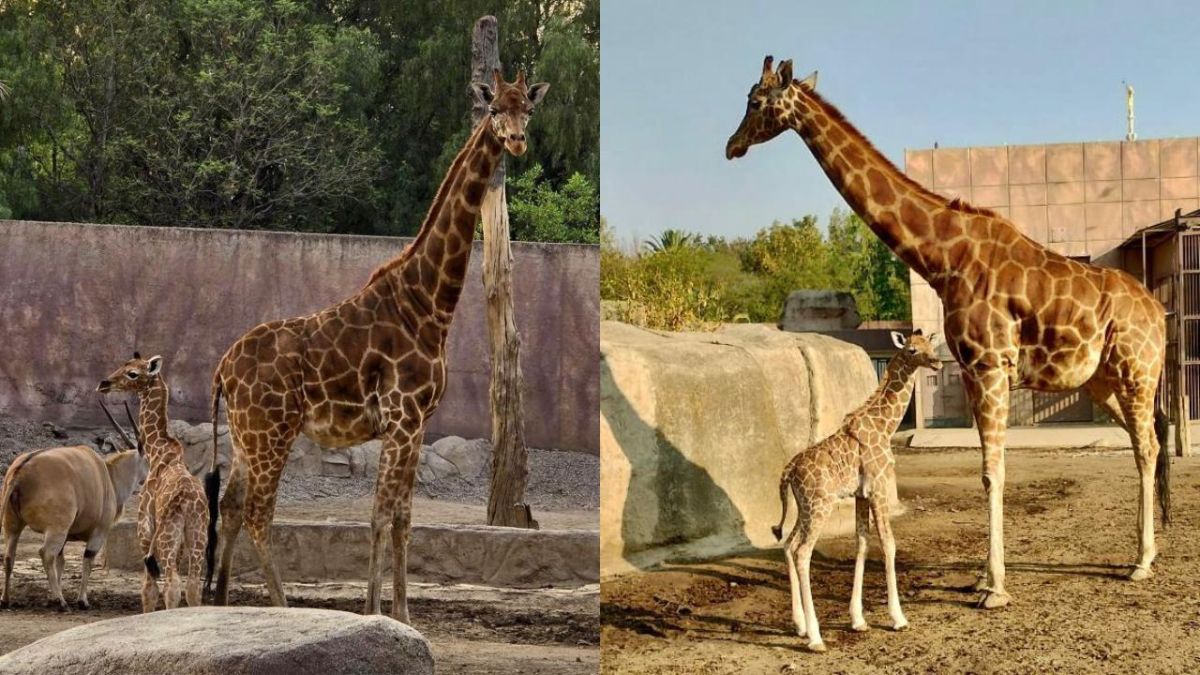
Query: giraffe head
[767,107]
[136,375]
[917,351]
[510,105]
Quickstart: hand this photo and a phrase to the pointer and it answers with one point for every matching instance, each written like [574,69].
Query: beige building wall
[1079,199]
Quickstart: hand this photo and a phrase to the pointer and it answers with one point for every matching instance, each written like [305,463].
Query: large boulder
[695,429]
[229,641]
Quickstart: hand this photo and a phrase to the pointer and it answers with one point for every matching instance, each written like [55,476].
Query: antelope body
[66,494]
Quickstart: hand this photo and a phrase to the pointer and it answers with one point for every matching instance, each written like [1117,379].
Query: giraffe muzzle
[734,150]
[104,387]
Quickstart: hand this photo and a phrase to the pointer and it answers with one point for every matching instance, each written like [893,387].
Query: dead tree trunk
[509,456]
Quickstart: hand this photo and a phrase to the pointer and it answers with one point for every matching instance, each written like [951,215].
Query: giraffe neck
[893,395]
[152,415]
[429,275]
[894,206]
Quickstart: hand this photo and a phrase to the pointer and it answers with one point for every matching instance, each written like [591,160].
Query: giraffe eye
[131,375]
[755,104]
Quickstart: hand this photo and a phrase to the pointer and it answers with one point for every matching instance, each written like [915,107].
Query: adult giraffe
[1018,316]
[371,366]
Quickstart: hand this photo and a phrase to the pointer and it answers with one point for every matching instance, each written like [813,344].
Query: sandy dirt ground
[471,629]
[1070,542]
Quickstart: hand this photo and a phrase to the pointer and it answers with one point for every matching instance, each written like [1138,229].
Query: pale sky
[674,77]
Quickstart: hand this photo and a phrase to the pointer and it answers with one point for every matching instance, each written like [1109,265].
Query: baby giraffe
[857,460]
[173,525]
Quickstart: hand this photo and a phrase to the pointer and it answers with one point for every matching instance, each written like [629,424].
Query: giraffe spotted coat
[856,460]
[172,517]
[1017,315]
[371,366]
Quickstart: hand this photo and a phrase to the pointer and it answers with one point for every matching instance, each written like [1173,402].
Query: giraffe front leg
[883,524]
[392,508]
[1138,409]
[861,526]
[988,392]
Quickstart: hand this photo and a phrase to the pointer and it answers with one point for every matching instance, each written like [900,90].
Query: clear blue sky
[674,77]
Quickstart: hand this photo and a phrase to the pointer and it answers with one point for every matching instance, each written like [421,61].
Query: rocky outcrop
[696,427]
[448,457]
[818,310]
[229,641]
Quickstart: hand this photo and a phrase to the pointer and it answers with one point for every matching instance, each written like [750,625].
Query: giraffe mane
[427,224]
[955,204]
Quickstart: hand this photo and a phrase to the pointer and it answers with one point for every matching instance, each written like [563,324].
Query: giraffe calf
[173,523]
[857,460]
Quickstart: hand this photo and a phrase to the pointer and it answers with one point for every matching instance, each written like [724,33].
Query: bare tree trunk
[509,456]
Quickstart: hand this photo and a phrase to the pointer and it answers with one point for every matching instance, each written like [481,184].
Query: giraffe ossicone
[1017,315]
[371,366]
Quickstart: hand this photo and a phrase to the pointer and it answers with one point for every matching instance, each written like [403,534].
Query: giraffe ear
[785,73]
[898,340]
[810,82]
[482,92]
[155,366]
[537,92]
[935,339]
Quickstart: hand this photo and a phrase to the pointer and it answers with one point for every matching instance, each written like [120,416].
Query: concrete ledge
[1045,437]
[489,556]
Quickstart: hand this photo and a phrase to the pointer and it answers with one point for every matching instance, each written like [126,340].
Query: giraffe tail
[1162,467]
[777,530]
[212,491]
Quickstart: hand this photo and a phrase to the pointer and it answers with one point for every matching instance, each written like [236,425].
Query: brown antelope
[67,494]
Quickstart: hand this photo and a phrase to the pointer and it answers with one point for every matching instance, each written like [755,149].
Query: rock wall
[78,299]
[696,427]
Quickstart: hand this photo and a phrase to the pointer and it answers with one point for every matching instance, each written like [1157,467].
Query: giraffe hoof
[83,604]
[992,600]
[900,625]
[818,647]
[1140,574]
[860,627]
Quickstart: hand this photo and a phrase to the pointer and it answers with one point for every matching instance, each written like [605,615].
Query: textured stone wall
[76,300]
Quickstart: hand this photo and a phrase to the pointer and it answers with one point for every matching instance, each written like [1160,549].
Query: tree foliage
[328,116]
[697,282]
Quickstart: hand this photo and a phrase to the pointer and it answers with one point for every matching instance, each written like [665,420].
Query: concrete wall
[696,427]
[76,300]
[1079,199]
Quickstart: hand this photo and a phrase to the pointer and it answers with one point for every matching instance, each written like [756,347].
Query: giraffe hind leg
[262,489]
[232,511]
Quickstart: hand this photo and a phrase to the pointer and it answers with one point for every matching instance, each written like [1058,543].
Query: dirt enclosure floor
[1069,522]
[471,629]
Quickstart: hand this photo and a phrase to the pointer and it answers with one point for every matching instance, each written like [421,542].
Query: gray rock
[438,466]
[364,459]
[336,464]
[468,457]
[229,641]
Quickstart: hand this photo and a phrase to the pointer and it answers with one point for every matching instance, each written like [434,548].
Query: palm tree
[671,239]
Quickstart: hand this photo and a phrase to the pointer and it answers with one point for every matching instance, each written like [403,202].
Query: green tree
[868,269]
[670,239]
[539,212]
